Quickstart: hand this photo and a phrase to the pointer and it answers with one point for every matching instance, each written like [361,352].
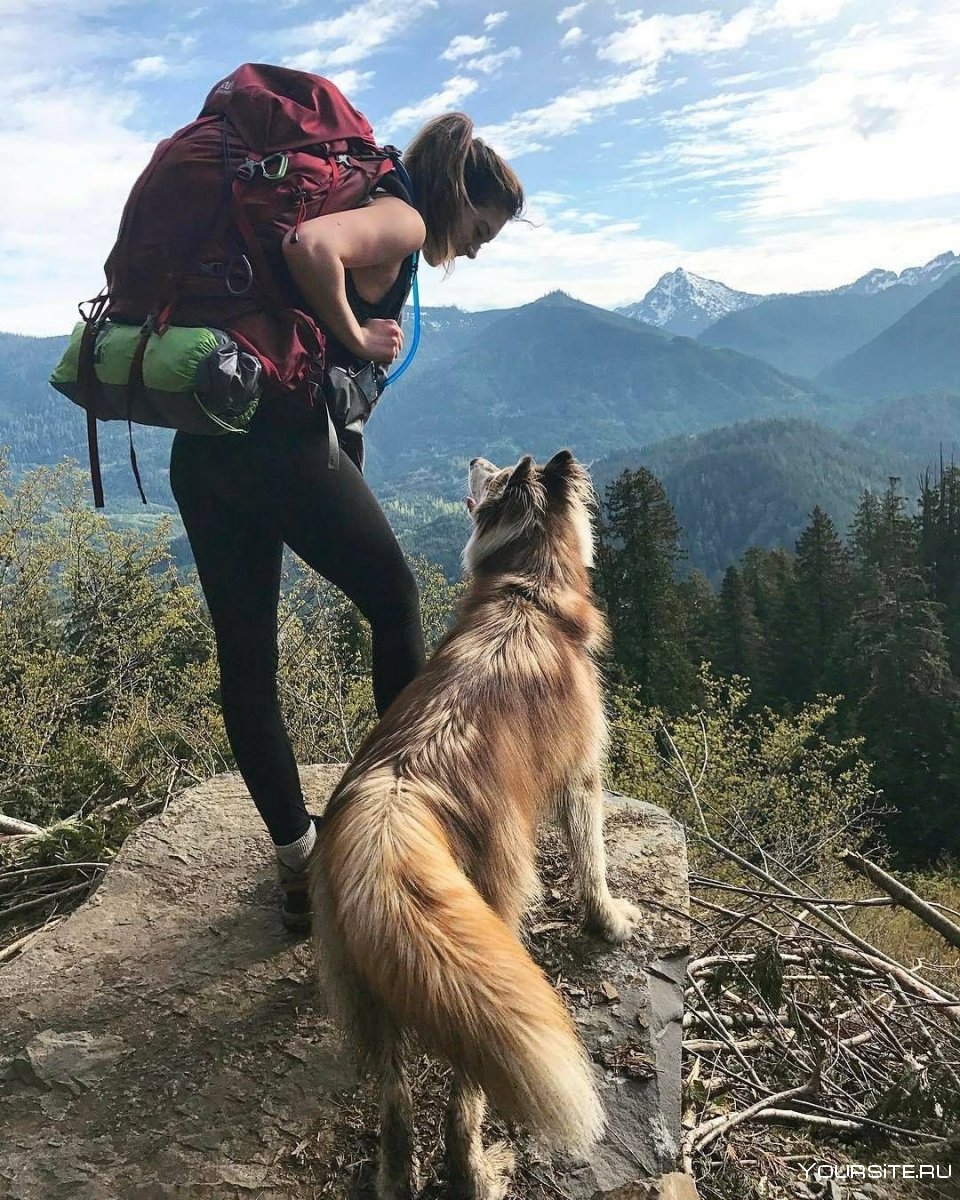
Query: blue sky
[776,145]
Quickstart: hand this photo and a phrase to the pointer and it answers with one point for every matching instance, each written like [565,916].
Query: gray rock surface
[166,1040]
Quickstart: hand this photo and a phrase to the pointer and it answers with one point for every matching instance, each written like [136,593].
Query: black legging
[241,498]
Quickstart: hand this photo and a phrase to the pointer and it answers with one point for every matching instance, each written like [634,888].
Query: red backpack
[200,240]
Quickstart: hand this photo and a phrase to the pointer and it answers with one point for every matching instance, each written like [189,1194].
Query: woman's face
[477,227]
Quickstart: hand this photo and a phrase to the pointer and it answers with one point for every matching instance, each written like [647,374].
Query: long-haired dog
[426,859]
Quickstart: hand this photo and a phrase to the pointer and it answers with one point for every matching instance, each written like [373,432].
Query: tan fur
[426,859]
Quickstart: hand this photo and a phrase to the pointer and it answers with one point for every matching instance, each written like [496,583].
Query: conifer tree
[768,576]
[740,644]
[907,707]
[939,527]
[637,555]
[699,603]
[817,613]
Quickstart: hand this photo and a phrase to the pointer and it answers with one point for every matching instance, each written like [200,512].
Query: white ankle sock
[295,854]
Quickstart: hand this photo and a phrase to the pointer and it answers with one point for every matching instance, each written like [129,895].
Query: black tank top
[391,305]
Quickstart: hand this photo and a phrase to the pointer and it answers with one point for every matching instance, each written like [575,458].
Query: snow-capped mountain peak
[682,302]
[879,280]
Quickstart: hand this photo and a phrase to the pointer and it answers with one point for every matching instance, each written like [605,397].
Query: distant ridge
[776,327]
[878,280]
[808,333]
[918,353]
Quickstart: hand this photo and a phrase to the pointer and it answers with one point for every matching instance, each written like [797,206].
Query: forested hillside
[803,335]
[868,614]
[558,372]
[755,484]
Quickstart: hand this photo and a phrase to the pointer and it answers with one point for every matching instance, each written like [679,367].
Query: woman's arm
[381,233]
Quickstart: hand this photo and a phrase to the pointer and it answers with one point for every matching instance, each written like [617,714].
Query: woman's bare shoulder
[383,230]
[393,209]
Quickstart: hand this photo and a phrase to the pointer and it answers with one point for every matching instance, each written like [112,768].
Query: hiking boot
[295,896]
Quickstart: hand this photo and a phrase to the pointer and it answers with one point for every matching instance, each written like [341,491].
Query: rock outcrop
[166,1040]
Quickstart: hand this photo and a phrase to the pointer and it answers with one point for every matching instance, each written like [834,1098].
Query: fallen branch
[901,894]
[11,827]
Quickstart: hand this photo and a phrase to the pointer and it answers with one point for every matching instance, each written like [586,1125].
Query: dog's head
[522,512]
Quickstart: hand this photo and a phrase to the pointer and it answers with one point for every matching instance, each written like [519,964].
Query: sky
[776,145]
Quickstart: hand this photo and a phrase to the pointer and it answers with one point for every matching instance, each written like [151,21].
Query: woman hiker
[243,499]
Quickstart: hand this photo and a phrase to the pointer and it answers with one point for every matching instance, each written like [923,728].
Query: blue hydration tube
[416,327]
[407,182]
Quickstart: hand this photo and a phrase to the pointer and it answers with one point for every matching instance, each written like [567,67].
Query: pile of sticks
[803,1042]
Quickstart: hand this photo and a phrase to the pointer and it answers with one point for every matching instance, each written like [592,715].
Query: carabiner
[281,166]
[250,166]
[243,266]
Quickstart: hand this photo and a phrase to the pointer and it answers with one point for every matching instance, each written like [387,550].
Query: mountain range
[560,372]
[685,303]
[918,353]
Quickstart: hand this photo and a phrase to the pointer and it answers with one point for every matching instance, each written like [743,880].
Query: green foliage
[770,781]
[816,613]
[106,670]
[108,675]
[755,483]
[875,624]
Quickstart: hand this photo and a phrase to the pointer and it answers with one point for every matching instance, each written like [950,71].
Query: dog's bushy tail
[397,916]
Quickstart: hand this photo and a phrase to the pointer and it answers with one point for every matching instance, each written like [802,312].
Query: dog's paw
[489,1175]
[500,1163]
[617,922]
[398,1185]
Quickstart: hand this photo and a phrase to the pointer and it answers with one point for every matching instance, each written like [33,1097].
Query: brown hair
[452,170]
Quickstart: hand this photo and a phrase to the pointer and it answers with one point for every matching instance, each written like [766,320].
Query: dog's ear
[561,473]
[521,475]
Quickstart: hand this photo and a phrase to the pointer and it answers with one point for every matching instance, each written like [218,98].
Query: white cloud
[868,126]
[463,45]
[611,263]
[351,82]
[154,66]
[573,35]
[648,39]
[825,255]
[801,14]
[571,11]
[492,20]
[600,265]
[533,128]
[450,95]
[53,242]
[490,64]
[355,34]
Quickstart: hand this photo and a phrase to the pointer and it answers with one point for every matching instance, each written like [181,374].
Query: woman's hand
[380,340]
